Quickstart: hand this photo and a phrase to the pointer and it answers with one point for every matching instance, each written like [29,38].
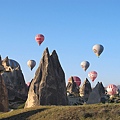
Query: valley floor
[81,112]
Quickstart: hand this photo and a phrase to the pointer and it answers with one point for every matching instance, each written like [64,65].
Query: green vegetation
[21,106]
[82,112]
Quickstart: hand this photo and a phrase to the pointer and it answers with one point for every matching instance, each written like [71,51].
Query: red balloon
[112,89]
[76,79]
[92,75]
[39,38]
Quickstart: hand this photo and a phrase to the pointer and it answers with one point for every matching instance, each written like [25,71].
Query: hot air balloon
[92,75]
[98,49]
[112,89]
[85,65]
[76,79]
[31,64]
[39,38]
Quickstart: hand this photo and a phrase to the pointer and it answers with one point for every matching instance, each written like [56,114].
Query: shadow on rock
[25,115]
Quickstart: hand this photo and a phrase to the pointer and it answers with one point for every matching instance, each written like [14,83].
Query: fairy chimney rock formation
[72,88]
[3,96]
[14,81]
[0,60]
[85,90]
[48,86]
[97,93]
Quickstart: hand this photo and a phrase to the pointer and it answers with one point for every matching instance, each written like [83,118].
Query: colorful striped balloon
[92,75]
[111,89]
[39,38]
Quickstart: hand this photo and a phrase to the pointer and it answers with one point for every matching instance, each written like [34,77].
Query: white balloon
[31,64]
[98,49]
[85,65]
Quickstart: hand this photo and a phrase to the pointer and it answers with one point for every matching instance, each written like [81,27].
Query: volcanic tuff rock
[72,88]
[97,93]
[48,86]
[3,96]
[14,81]
[85,90]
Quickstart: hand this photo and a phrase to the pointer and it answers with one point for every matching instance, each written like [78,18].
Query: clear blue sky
[71,27]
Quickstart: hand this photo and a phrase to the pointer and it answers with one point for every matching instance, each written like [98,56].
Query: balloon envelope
[31,64]
[111,89]
[39,38]
[98,49]
[76,79]
[85,65]
[92,75]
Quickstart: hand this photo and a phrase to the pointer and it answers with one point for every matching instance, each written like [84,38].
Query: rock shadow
[24,115]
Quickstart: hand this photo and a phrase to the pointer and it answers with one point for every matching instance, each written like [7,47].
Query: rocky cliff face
[97,93]
[48,86]
[85,90]
[14,81]
[72,88]
[3,96]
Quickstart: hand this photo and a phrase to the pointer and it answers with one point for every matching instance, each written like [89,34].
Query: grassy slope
[87,112]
